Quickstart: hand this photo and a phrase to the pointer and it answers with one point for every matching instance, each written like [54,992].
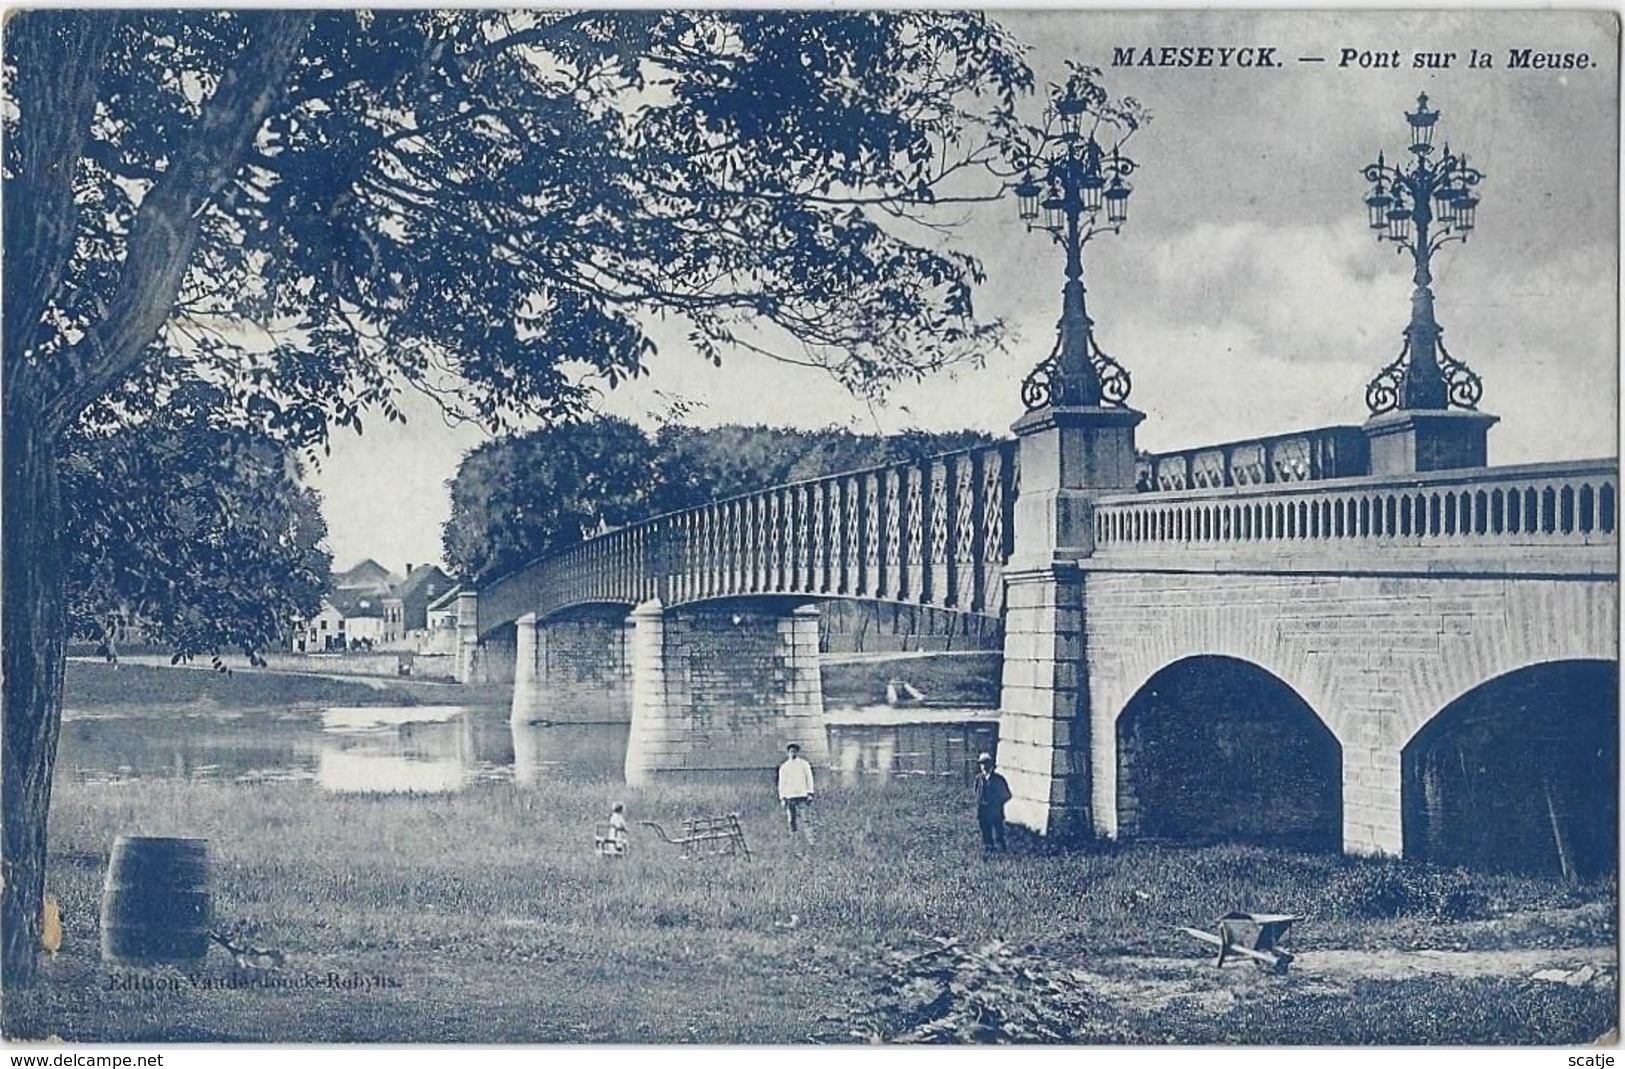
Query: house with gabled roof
[406,609]
[368,605]
[441,613]
[368,575]
[347,619]
[351,614]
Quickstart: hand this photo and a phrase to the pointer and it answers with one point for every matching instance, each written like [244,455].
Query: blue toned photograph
[804,528]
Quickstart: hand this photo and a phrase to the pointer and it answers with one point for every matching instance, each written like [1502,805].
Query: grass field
[93,686]
[486,917]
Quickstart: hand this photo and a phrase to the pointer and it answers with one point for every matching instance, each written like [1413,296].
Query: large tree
[514,499]
[314,210]
[188,533]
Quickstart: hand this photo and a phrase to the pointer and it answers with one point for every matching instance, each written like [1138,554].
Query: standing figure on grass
[991,793]
[613,842]
[795,786]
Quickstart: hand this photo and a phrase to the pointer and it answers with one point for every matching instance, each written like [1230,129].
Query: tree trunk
[33,641]
[37,409]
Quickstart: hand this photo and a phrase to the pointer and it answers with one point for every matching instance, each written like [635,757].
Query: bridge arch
[1536,623]
[1219,748]
[1375,656]
[1520,773]
[583,610]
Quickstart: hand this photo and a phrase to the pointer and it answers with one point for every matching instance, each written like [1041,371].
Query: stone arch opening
[1520,774]
[1218,749]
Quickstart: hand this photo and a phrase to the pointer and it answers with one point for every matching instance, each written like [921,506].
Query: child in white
[614,844]
[795,785]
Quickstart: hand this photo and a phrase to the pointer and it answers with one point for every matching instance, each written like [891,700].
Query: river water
[442,749]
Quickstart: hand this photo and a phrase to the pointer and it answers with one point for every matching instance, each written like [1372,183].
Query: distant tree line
[518,498]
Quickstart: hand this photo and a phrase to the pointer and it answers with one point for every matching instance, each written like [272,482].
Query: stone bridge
[1355,637]
[1361,637]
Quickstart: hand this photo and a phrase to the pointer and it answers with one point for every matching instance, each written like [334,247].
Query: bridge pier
[1043,730]
[1372,794]
[723,687]
[468,636]
[476,659]
[573,668]
[1069,457]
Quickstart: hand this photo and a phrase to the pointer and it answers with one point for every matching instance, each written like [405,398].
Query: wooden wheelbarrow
[1250,935]
[711,836]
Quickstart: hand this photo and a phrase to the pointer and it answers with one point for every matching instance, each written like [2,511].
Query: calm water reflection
[422,749]
[440,749]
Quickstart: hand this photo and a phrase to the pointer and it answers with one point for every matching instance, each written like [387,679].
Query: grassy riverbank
[970,678]
[490,919]
[94,686]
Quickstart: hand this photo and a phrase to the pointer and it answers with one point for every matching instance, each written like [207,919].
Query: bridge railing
[1303,456]
[1560,504]
[930,532]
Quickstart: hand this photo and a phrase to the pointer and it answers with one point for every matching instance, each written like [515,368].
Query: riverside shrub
[1396,888]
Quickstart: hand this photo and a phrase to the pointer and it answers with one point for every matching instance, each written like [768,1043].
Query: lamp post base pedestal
[1413,440]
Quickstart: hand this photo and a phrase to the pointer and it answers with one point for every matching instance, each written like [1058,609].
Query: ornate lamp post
[1420,206]
[1076,444]
[1079,191]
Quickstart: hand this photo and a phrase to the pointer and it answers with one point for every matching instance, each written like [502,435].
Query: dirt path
[1194,982]
[897,655]
[1561,964]
[1558,966]
[155,660]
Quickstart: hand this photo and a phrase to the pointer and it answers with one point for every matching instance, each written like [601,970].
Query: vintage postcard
[810,527]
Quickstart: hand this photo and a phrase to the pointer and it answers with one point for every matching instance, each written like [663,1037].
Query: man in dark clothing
[991,794]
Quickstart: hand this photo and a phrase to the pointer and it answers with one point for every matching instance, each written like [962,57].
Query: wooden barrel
[155,903]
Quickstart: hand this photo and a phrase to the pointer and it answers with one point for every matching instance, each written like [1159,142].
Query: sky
[1246,295]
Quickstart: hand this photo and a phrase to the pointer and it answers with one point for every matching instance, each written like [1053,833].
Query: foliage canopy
[195,536]
[495,207]
[309,211]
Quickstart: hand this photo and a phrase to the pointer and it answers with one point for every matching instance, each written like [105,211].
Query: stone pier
[1043,726]
[573,668]
[1069,457]
[723,687]
[468,636]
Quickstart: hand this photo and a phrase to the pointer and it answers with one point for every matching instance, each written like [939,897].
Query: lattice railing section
[933,532]
[1563,504]
[1306,456]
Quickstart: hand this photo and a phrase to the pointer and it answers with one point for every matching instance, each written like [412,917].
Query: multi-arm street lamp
[1081,191]
[1420,207]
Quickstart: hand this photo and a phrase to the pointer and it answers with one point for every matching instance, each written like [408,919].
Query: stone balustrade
[1569,504]
[884,533]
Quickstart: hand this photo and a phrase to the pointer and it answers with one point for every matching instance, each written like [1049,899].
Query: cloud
[1301,293]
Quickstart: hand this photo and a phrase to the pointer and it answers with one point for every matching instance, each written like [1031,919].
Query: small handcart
[706,836]
[1250,935]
